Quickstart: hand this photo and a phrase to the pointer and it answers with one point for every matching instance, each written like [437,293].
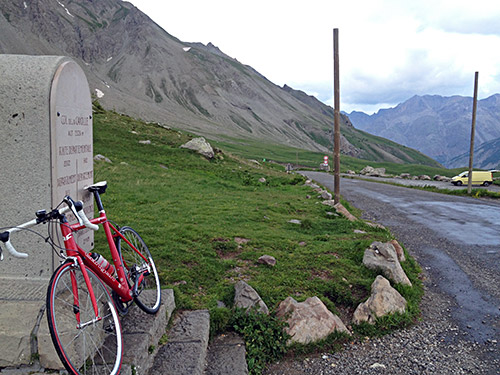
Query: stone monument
[46,152]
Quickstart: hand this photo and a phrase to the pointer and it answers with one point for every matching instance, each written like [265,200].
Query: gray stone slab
[15,332]
[142,331]
[185,352]
[227,356]
[46,153]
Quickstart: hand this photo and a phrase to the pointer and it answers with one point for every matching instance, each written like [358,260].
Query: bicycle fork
[76,299]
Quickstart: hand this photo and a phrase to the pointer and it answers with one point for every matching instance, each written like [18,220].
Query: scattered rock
[326,195]
[267,259]
[341,210]
[100,157]
[399,250]
[254,161]
[405,175]
[311,184]
[262,180]
[374,225]
[366,170]
[351,172]
[308,321]
[378,365]
[302,243]
[441,178]
[358,231]
[382,257]
[241,240]
[201,146]
[424,177]
[247,298]
[295,221]
[384,300]
[146,142]
[374,172]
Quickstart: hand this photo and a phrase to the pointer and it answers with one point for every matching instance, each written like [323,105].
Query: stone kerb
[46,153]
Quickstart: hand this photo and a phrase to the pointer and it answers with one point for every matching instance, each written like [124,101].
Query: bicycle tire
[97,347]
[149,302]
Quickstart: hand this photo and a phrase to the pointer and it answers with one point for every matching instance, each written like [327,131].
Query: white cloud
[389,49]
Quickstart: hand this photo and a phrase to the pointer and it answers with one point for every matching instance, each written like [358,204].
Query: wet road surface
[456,240]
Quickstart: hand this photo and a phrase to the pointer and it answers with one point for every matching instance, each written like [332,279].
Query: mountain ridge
[435,125]
[139,69]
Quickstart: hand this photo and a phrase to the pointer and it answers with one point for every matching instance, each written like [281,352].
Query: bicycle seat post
[97,189]
[98,201]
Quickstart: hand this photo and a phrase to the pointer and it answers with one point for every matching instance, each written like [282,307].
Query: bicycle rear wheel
[139,264]
[85,346]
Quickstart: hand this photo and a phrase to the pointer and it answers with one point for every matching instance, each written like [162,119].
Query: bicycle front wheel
[86,344]
[140,268]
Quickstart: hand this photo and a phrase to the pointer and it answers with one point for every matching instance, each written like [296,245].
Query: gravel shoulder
[451,337]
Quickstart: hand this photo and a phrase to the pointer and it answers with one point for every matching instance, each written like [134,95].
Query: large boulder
[201,146]
[383,257]
[340,209]
[441,178]
[246,297]
[384,300]
[308,321]
[399,250]
[374,172]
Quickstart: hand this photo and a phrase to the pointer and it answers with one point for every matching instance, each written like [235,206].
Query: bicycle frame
[84,259]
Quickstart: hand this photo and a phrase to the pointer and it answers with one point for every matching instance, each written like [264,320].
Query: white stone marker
[46,153]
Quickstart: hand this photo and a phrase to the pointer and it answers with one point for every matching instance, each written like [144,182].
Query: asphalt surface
[455,239]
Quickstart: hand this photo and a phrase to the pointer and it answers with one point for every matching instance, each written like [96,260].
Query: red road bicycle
[82,315]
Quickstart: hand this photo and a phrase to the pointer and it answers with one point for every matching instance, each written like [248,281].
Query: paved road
[422,183]
[455,239]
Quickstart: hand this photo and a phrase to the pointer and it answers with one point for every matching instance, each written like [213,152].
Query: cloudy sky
[390,50]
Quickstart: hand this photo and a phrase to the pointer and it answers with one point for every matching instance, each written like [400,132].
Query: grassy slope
[283,154]
[190,210]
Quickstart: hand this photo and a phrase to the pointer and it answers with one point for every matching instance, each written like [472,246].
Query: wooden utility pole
[471,154]
[336,132]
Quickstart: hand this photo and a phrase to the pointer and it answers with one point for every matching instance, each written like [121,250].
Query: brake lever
[71,204]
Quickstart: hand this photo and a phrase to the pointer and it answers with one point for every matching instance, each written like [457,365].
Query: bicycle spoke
[94,347]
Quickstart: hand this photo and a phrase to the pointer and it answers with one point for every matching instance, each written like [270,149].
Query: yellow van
[478,178]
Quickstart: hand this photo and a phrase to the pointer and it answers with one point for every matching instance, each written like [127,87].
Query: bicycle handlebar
[77,210]
[86,221]
[75,207]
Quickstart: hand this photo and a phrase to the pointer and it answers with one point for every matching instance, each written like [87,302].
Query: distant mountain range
[137,68]
[440,127]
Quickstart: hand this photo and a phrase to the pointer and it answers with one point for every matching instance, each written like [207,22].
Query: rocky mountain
[486,156]
[137,68]
[436,126]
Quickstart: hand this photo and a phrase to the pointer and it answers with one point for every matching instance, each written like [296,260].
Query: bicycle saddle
[100,187]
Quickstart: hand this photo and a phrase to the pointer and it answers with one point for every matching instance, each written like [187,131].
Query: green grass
[191,211]
[259,150]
